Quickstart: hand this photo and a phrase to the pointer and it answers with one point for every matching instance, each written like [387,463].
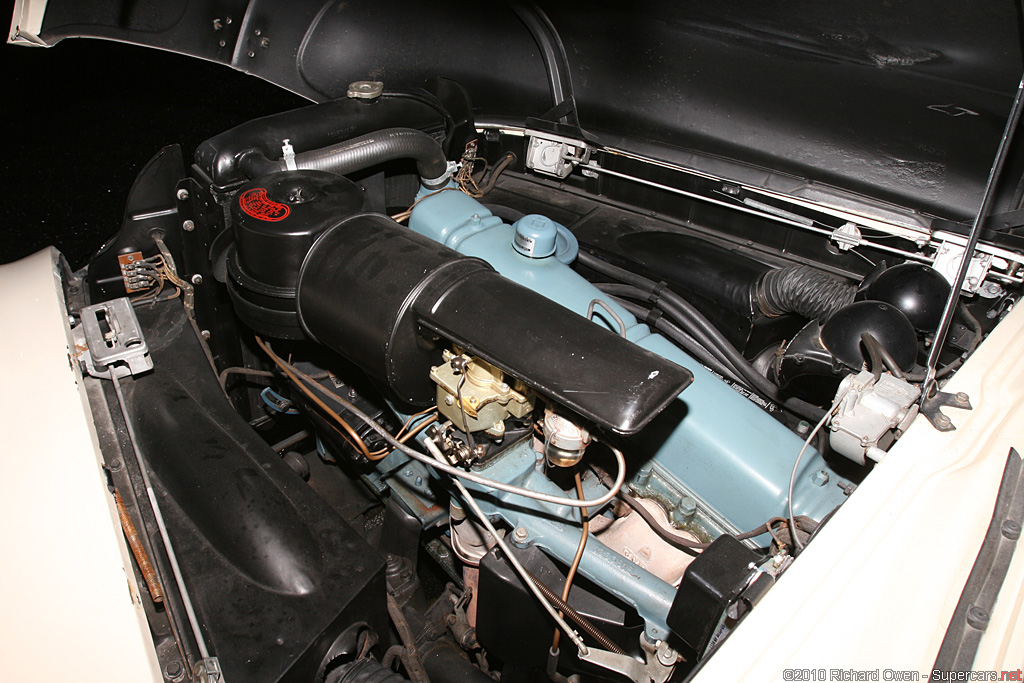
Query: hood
[900,102]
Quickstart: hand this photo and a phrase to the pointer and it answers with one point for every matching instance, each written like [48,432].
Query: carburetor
[486,397]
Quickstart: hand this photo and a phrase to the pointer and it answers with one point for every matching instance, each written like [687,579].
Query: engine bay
[394,394]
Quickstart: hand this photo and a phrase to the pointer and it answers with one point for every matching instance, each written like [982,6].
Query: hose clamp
[288,154]
[442,180]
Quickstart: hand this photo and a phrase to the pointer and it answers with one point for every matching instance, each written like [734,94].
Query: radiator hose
[359,153]
[801,289]
[364,671]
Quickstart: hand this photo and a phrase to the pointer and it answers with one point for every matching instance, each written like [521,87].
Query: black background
[80,120]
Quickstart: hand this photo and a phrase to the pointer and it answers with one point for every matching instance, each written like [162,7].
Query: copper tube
[356,442]
[575,560]
[141,557]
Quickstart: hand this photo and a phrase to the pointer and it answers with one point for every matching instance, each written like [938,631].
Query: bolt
[257,31]
[666,655]
[352,393]
[407,473]
[687,506]
[977,617]
[644,475]
[250,54]
[819,478]
[174,671]
[419,481]
[962,397]
[182,194]
[217,25]
[197,279]
[205,334]
[1010,529]
[803,427]
[115,465]
[264,42]
[520,534]
[941,419]
[449,400]
[504,387]
[188,226]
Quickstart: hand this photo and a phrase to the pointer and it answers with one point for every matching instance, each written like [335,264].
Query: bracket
[109,340]
[931,407]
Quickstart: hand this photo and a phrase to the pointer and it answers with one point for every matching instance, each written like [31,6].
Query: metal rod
[593,166]
[520,569]
[171,557]
[979,220]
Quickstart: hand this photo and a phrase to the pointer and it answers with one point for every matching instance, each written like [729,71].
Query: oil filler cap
[538,237]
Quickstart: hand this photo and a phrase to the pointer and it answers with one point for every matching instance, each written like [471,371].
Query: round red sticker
[257,204]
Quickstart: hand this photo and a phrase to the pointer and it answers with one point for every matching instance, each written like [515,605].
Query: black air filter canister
[389,299]
[276,219]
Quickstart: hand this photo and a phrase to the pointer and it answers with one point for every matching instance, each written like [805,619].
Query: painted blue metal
[726,451]
[556,530]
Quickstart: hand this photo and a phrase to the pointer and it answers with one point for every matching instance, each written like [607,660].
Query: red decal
[257,204]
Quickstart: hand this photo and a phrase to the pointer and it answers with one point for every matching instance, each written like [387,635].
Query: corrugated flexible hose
[804,290]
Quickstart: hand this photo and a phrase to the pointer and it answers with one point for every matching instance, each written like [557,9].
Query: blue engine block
[714,457]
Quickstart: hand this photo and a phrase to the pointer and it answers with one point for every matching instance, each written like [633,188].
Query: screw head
[941,419]
[961,397]
[1010,529]
[197,279]
[115,465]
[188,226]
[205,334]
[182,194]
[977,617]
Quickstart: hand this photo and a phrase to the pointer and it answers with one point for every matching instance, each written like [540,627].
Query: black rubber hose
[363,671]
[879,357]
[802,289]
[685,313]
[362,152]
[491,179]
[975,327]
[695,332]
[445,662]
[679,336]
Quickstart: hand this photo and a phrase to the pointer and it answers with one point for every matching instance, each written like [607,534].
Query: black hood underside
[902,102]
